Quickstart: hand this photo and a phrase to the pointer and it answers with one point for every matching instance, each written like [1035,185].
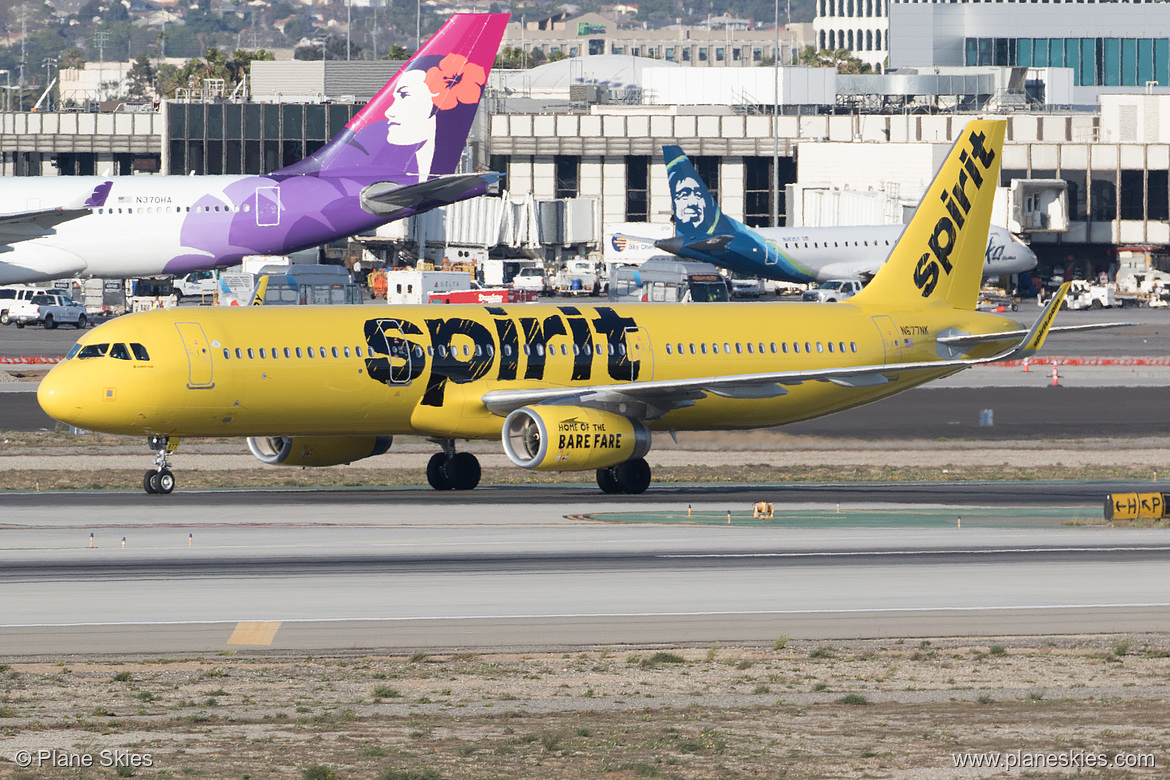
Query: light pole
[7,91]
[49,63]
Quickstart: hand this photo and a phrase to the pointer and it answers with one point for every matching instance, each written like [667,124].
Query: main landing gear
[632,477]
[451,470]
[160,480]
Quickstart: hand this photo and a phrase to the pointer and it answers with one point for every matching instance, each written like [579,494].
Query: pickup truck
[832,291]
[197,284]
[50,308]
[531,278]
[11,296]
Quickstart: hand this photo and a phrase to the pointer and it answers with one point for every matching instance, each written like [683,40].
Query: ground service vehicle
[668,281]
[50,309]
[10,296]
[833,291]
[531,278]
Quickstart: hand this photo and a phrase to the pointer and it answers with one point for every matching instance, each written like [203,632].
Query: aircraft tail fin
[940,255]
[416,126]
[695,213]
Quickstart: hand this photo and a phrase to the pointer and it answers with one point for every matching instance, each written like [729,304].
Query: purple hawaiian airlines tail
[415,128]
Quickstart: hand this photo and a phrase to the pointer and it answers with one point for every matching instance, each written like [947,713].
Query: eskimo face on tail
[416,126]
[690,205]
[941,253]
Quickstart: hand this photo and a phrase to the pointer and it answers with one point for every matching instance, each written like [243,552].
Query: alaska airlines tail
[695,213]
[703,232]
[941,252]
[416,127]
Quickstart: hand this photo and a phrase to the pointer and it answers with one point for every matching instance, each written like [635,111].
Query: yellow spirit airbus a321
[565,387]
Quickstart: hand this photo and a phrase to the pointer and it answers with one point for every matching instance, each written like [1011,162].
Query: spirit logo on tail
[958,204]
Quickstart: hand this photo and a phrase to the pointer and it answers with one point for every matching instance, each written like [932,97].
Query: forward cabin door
[199,376]
[890,337]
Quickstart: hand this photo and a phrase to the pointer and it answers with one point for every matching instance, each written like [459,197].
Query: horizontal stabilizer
[676,245]
[386,198]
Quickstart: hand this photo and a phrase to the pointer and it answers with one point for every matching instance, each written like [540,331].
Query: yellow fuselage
[360,370]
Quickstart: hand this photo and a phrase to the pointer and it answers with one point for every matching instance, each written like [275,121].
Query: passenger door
[199,371]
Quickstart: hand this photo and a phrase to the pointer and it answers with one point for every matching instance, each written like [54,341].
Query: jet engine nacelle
[572,438]
[317,450]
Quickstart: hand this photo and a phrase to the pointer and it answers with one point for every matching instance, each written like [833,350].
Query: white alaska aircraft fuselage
[396,157]
[857,252]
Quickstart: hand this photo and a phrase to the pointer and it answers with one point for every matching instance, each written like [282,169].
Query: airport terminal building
[578,164]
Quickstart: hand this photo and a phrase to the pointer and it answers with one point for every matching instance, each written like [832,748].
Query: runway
[381,569]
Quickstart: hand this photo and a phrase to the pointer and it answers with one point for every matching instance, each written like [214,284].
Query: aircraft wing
[386,198]
[30,223]
[963,340]
[651,400]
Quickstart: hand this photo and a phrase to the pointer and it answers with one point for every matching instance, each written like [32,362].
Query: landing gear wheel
[149,483]
[633,476]
[436,473]
[165,481]
[461,471]
[607,481]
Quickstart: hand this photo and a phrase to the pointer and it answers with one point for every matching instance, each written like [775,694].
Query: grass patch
[660,658]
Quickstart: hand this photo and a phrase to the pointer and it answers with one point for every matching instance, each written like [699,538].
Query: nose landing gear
[160,480]
[451,470]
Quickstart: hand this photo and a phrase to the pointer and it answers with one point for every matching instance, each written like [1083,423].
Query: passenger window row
[172,209]
[761,348]
[116,351]
[817,244]
[290,352]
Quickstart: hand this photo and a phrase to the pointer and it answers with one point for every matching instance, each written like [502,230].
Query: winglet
[1039,330]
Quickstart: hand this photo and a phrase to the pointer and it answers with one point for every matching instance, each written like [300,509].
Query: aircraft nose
[60,397]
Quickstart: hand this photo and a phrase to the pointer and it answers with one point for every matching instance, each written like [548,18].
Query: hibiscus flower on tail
[456,80]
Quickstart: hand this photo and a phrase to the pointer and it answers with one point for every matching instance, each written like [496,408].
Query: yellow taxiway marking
[254,633]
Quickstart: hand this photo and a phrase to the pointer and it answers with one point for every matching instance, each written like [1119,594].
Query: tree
[537,57]
[72,58]
[510,58]
[841,59]
[141,79]
[398,52]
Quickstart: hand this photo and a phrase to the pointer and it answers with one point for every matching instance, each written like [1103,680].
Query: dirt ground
[793,710]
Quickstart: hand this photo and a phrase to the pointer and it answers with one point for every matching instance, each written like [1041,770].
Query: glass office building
[1108,62]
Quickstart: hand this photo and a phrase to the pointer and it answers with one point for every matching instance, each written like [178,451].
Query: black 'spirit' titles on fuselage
[393,358]
[396,359]
[941,243]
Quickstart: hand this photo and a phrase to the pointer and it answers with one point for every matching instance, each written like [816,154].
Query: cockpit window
[73,352]
[140,352]
[93,351]
[119,352]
